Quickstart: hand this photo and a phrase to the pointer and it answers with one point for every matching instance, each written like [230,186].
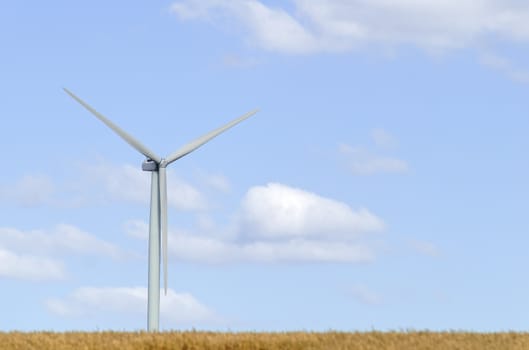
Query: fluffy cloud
[175,308]
[129,183]
[62,239]
[214,250]
[277,223]
[27,255]
[277,210]
[337,25]
[198,247]
[121,182]
[273,29]
[27,267]
[362,162]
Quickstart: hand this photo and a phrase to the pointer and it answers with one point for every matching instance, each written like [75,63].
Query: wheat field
[196,340]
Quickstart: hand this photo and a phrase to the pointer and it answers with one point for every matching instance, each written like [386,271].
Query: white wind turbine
[158,216]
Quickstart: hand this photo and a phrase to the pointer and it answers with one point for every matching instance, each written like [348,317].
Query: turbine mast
[153,289]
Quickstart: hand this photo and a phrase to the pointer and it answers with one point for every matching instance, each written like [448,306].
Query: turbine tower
[158,215]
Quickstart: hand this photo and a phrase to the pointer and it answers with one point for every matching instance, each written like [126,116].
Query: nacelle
[149,165]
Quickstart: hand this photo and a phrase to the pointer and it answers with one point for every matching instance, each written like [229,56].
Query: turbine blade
[193,145]
[123,134]
[163,221]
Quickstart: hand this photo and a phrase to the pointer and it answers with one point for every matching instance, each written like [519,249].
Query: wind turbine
[158,215]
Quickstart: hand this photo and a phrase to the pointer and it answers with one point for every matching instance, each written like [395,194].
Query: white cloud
[337,25]
[30,191]
[175,308]
[364,295]
[213,250]
[28,267]
[274,224]
[103,181]
[26,254]
[276,210]
[62,239]
[362,162]
[271,28]
[308,251]
[128,183]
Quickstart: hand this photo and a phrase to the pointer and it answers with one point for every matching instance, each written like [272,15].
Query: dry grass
[261,341]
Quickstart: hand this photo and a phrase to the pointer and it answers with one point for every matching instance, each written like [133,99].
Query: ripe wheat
[261,341]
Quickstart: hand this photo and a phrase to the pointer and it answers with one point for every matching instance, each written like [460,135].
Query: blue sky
[383,184]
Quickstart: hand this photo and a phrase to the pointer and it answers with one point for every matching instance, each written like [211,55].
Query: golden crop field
[260,341]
